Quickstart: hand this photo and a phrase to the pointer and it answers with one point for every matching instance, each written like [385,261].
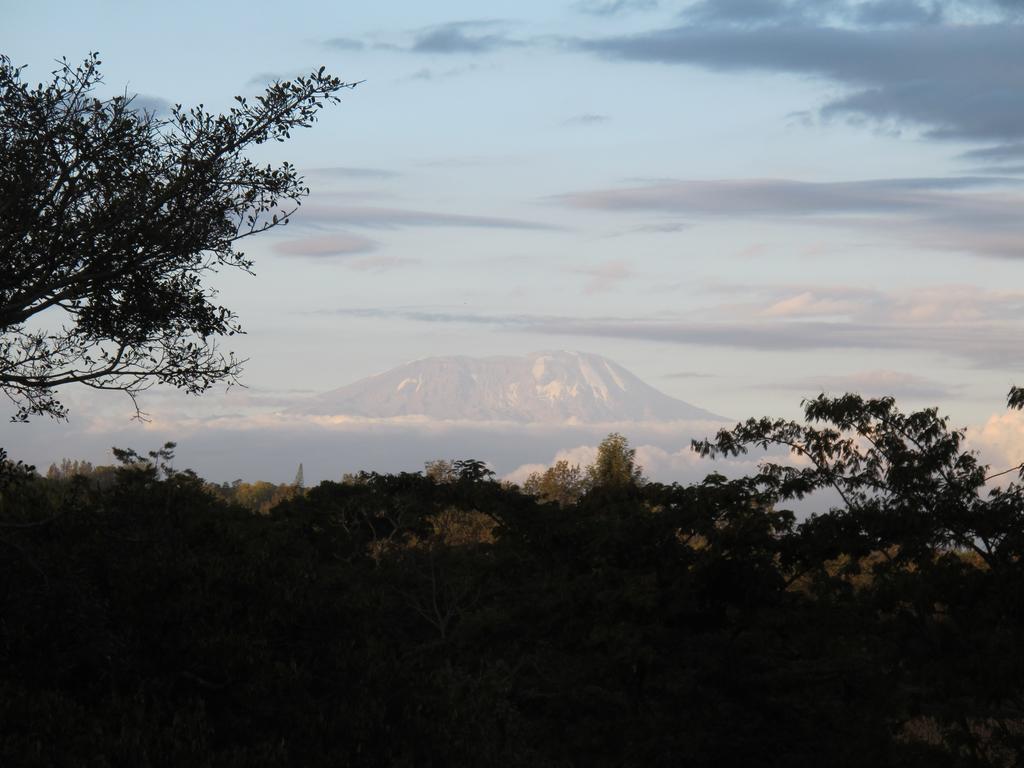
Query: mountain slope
[540,387]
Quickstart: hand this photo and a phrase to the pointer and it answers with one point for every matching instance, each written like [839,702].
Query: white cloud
[999,441]
[808,304]
[522,472]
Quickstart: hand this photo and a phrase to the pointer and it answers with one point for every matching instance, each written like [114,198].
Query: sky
[744,202]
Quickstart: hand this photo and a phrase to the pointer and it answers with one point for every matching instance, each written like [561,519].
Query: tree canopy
[111,217]
[615,465]
[562,483]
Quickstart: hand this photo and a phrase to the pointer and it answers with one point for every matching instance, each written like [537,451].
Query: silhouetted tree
[465,470]
[1015,399]
[883,464]
[13,471]
[110,217]
[472,470]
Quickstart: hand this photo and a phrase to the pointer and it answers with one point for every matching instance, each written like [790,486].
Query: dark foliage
[411,620]
[12,472]
[110,219]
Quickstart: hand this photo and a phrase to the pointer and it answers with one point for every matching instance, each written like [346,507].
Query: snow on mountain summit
[540,387]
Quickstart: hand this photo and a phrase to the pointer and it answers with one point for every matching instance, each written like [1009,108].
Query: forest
[590,617]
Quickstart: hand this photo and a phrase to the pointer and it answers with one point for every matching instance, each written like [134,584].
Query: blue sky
[744,202]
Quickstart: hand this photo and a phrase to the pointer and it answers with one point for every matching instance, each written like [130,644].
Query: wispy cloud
[472,161]
[464,37]
[869,13]
[876,383]
[1015,169]
[335,244]
[968,214]
[345,44]
[980,328]
[605,277]
[998,156]
[429,74]
[933,305]
[614,7]
[382,263]
[774,197]
[662,227]
[811,304]
[982,344]
[341,172]
[588,118]
[689,375]
[320,214]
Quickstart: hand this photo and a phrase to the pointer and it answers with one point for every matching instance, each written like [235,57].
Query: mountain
[548,387]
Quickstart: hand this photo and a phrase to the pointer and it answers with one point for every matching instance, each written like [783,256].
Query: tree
[615,465]
[254,496]
[12,472]
[904,479]
[155,463]
[440,471]
[562,483]
[110,218]
[465,470]
[68,469]
[1015,398]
